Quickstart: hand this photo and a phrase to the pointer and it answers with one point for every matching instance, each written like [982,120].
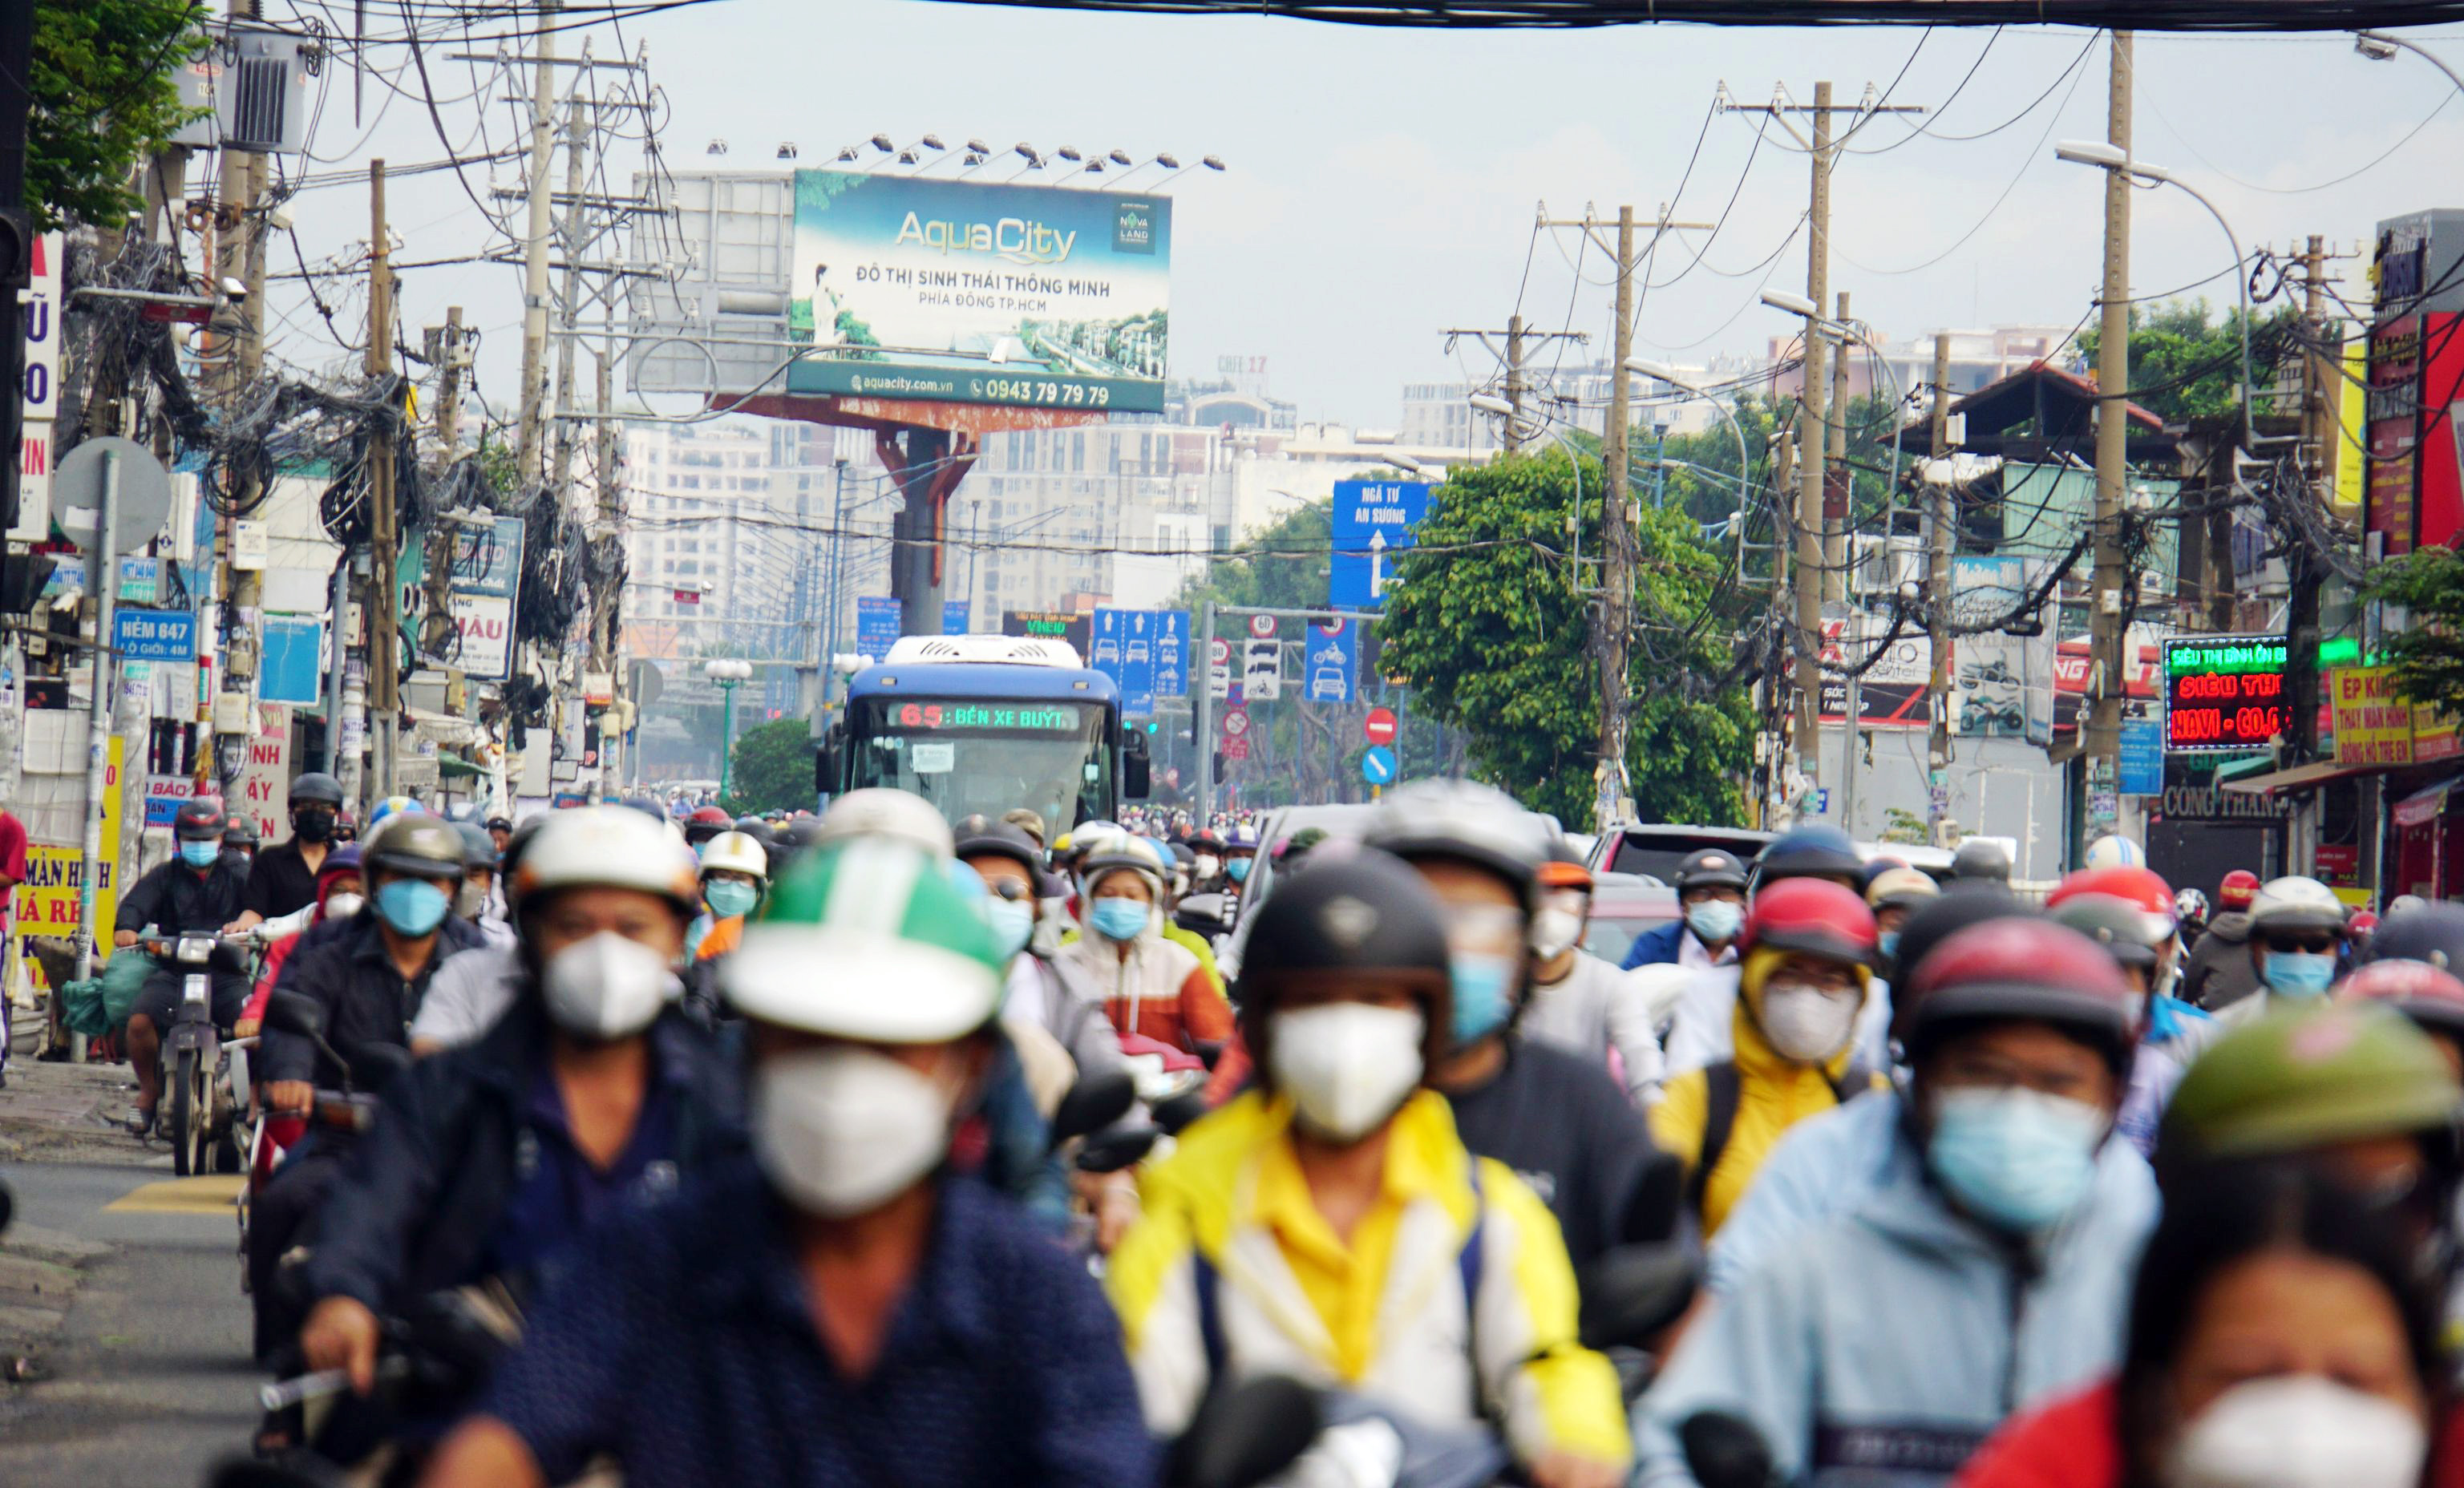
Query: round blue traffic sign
[1378,765]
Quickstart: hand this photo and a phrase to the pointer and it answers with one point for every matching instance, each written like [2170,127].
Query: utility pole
[528,432]
[2101,739]
[2306,576]
[239,253]
[1939,537]
[567,235]
[448,393]
[1519,340]
[385,625]
[1837,514]
[1614,619]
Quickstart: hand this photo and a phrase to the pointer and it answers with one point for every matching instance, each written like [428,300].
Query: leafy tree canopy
[2185,362]
[2428,655]
[772,769]
[103,98]
[1486,622]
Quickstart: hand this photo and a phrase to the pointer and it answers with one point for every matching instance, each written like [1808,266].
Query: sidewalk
[63,1113]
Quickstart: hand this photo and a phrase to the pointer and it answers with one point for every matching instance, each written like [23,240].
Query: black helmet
[2431,933]
[418,843]
[241,830]
[199,821]
[1365,913]
[1979,858]
[979,834]
[1812,852]
[1710,867]
[317,788]
[1964,902]
[478,849]
[2114,923]
[500,823]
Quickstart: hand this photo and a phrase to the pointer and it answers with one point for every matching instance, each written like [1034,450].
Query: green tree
[1486,622]
[2185,361]
[103,98]
[2428,655]
[772,769]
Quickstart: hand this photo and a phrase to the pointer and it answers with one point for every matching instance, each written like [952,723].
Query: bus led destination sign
[2223,693]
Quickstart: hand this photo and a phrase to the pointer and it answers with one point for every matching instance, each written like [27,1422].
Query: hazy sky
[1382,184]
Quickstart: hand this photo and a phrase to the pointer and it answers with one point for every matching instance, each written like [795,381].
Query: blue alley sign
[2143,756]
[154,635]
[292,670]
[1333,661]
[953,617]
[1373,522]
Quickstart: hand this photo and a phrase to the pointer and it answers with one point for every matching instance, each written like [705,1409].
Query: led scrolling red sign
[2224,692]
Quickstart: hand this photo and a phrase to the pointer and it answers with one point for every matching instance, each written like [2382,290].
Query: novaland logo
[1014,238]
[1133,227]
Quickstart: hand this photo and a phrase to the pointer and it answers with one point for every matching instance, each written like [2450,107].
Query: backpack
[1721,1089]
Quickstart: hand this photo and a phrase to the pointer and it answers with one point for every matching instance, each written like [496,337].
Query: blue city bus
[987,723]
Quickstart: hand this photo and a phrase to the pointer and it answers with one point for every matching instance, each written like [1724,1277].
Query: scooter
[198,1077]
[348,1111]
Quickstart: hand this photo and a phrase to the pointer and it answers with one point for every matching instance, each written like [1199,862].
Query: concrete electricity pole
[529,430]
[384,624]
[1519,339]
[2101,739]
[239,253]
[1940,532]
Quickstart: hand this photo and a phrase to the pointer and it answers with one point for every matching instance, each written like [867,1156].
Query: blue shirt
[558,1193]
[678,1340]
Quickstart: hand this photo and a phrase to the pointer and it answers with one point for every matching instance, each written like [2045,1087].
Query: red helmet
[2022,968]
[1813,916]
[2364,922]
[713,814]
[2425,993]
[2239,887]
[2140,887]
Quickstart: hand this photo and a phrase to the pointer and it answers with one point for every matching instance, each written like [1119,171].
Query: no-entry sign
[1379,726]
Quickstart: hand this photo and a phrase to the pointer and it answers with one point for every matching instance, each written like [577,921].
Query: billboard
[2002,685]
[2223,693]
[1064,625]
[959,292]
[1891,692]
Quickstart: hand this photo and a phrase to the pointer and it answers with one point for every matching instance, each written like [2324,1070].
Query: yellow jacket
[1229,1214]
[1772,1095]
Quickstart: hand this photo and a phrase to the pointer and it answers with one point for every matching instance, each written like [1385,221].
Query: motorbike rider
[1711,908]
[1808,951]
[1175,887]
[240,843]
[369,974]
[735,870]
[2432,997]
[2361,927]
[1981,859]
[2220,971]
[594,1095]
[1206,861]
[339,896]
[2170,1033]
[1383,1239]
[1894,894]
[863,1297]
[1557,1119]
[2297,943]
[283,878]
[1240,857]
[1699,1034]
[2426,934]
[1579,1001]
[196,892]
[1151,986]
[1885,1343]
[2190,914]
[500,831]
[1047,991]
[475,900]
[705,823]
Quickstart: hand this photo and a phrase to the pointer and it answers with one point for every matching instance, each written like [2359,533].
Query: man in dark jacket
[197,892]
[594,1094]
[1711,908]
[2219,971]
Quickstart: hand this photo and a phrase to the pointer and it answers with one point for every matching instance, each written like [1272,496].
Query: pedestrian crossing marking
[207,1193]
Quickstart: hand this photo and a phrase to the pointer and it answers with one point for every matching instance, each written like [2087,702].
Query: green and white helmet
[872,940]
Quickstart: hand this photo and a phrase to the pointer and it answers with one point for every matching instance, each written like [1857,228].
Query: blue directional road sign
[2143,756]
[1378,765]
[1172,653]
[876,625]
[1139,634]
[1374,521]
[953,617]
[292,670]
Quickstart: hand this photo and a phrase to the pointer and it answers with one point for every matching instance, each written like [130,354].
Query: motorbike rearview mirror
[295,1014]
[1631,1294]
[1095,1102]
[1723,1450]
[8,1206]
[1110,1151]
[1201,914]
[1246,1433]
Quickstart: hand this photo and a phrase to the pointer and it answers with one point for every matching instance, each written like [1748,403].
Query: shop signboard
[2373,724]
[2223,693]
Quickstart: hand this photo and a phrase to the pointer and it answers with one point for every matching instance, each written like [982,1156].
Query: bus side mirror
[825,759]
[1137,768]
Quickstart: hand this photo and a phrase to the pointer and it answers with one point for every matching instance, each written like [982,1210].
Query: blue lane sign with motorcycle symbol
[1378,765]
[1333,661]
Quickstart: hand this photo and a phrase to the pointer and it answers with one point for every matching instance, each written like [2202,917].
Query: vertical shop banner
[1333,662]
[38,306]
[876,626]
[265,784]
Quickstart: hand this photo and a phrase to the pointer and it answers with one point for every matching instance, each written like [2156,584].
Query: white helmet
[608,848]
[2113,850]
[736,852]
[878,811]
[1462,818]
[2296,903]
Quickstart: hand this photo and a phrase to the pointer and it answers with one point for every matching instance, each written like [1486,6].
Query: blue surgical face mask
[1013,921]
[1118,919]
[1715,919]
[411,905]
[199,853]
[1889,941]
[1237,871]
[1483,994]
[728,899]
[2017,1159]
[2300,974]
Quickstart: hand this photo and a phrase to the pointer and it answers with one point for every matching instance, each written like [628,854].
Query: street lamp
[729,672]
[1491,404]
[2113,156]
[2382,47]
[1658,373]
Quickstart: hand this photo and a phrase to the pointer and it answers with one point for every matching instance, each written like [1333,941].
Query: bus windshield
[985,754]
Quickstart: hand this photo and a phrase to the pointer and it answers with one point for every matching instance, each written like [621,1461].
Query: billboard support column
[928,465]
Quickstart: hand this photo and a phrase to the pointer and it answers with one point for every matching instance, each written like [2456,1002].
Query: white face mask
[341,906]
[1348,1065]
[1208,865]
[1555,931]
[842,1130]
[1806,1023]
[605,986]
[2298,1431]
